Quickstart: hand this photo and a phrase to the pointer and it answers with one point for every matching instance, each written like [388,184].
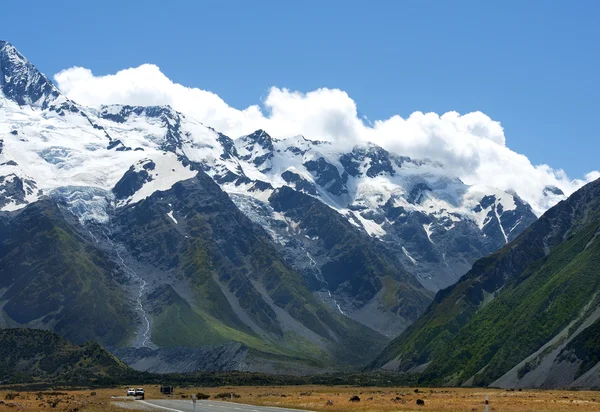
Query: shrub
[201,396]
[226,395]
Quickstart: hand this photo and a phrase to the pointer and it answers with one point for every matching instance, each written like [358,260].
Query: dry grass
[315,398]
[404,399]
[61,400]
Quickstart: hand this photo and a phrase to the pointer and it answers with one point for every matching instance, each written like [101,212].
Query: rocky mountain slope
[180,236]
[525,316]
[52,276]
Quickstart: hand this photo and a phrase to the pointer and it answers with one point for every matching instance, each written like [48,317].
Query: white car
[139,392]
[130,392]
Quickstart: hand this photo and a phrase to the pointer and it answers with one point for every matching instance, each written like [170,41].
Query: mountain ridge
[21,81]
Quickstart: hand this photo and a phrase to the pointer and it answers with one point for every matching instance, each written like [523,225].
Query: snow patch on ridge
[371,227]
[168,170]
[427,228]
[413,260]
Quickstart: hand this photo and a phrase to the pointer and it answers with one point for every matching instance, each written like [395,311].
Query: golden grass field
[315,398]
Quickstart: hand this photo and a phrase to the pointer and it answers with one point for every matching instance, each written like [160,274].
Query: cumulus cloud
[471,146]
[591,176]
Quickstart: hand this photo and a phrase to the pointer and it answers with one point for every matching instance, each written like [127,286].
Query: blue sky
[532,65]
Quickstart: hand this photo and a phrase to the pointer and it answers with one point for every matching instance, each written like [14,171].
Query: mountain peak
[259,136]
[120,112]
[552,191]
[21,82]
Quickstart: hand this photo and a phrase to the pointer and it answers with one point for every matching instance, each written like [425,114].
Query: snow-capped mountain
[370,233]
[435,222]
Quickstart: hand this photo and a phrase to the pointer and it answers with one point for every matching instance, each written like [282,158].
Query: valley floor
[315,398]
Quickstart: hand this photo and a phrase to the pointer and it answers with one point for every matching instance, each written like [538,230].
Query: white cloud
[591,176]
[472,145]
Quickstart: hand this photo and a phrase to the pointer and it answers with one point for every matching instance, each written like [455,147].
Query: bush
[202,396]
[11,396]
[54,402]
[226,395]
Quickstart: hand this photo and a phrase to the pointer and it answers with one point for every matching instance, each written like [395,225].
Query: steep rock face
[523,316]
[256,148]
[133,180]
[374,160]
[440,249]
[21,81]
[15,191]
[327,176]
[367,280]
[299,183]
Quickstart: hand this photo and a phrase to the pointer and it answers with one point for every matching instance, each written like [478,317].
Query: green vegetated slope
[213,276]
[30,355]
[32,358]
[227,282]
[511,303]
[52,277]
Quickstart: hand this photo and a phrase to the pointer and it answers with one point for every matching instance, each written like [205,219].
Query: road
[209,406]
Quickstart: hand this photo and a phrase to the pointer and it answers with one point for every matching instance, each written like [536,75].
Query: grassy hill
[31,355]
